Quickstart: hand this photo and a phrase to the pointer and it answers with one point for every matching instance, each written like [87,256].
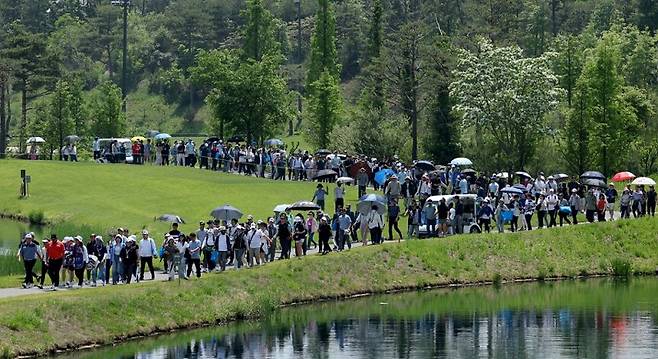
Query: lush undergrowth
[111,313]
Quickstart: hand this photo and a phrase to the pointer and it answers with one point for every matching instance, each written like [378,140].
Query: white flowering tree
[506,97]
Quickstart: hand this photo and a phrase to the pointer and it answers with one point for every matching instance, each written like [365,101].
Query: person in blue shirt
[485,214]
[319,195]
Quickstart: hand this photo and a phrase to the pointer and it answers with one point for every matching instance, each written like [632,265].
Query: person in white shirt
[253,240]
[339,195]
[147,251]
[552,202]
[221,236]
[265,241]
[73,153]
[65,153]
[96,147]
[375,224]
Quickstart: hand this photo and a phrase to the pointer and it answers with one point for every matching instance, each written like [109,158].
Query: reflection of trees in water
[518,334]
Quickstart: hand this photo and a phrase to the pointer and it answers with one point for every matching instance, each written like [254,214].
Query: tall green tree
[509,96]
[613,121]
[325,108]
[323,44]
[247,97]
[105,107]
[33,68]
[259,31]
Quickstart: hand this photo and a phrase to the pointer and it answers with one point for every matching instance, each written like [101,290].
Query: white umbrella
[35,140]
[346,180]
[643,181]
[280,208]
[461,161]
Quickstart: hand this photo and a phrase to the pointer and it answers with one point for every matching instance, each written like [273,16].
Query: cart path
[162,277]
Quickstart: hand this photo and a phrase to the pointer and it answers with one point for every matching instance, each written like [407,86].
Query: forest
[557,85]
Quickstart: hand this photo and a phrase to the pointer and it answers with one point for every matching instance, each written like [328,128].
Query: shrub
[621,267]
[36,217]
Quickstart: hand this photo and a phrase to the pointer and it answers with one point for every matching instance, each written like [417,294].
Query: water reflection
[580,327]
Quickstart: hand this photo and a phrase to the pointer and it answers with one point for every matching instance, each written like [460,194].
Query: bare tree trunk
[23,124]
[3,116]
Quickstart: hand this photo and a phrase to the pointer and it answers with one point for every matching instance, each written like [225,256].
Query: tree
[647,13]
[248,97]
[325,108]
[568,62]
[32,66]
[405,75]
[105,108]
[104,40]
[258,31]
[576,135]
[323,44]
[612,121]
[508,95]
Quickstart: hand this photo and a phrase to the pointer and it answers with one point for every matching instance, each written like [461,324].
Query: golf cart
[122,153]
[469,218]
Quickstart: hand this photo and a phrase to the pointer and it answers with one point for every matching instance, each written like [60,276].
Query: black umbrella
[594,182]
[226,213]
[72,138]
[236,138]
[425,166]
[560,177]
[212,139]
[469,171]
[325,174]
[512,190]
[323,152]
[151,133]
[593,175]
[304,206]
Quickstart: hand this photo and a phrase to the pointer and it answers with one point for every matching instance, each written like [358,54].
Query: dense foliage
[390,75]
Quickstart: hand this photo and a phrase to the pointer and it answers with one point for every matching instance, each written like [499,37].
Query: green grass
[9,265]
[105,314]
[110,196]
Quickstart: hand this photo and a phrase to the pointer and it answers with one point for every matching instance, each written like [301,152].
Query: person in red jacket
[55,257]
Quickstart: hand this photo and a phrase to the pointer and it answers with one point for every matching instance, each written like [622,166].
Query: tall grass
[9,265]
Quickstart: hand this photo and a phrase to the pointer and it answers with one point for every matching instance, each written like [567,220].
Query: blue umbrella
[383,175]
[162,136]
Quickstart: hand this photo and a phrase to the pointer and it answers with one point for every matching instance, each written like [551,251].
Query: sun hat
[145,232]
[29,235]
[222,228]
[78,238]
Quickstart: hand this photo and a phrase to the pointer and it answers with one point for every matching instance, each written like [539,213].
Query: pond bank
[61,321]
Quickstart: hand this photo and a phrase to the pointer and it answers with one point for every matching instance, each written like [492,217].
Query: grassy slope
[109,313]
[124,195]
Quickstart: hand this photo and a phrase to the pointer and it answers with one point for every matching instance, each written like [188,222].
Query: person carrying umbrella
[339,196]
[375,225]
[393,189]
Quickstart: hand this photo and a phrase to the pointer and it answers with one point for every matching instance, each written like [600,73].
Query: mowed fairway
[133,196]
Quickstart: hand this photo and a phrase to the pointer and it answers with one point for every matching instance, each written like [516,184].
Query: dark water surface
[600,318]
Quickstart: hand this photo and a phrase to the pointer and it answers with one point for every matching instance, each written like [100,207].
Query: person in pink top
[311,227]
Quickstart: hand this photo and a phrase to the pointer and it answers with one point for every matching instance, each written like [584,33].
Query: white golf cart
[122,152]
[469,218]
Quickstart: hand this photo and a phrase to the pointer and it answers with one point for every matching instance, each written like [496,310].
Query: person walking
[299,235]
[80,259]
[552,203]
[564,210]
[574,203]
[222,239]
[240,245]
[319,195]
[343,230]
[362,180]
[651,201]
[590,205]
[284,234]
[459,213]
[529,210]
[28,253]
[393,219]
[375,225]
[129,256]
[484,215]
[55,255]
[413,220]
[194,255]
[611,197]
[312,228]
[339,196]
[147,251]
[324,235]
[429,213]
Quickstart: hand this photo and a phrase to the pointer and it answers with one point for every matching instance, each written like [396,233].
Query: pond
[597,318]
[11,233]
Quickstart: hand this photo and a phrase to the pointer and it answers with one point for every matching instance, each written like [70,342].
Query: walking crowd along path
[436,201]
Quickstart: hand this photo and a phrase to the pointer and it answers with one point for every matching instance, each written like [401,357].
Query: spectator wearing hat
[129,256]
[611,195]
[221,237]
[28,253]
[339,196]
[362,181]
[147,251]
[651,201]
[80,259]
[575,204]
[485,214]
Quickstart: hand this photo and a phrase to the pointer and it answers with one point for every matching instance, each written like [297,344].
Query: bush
[621,267]
[36,217]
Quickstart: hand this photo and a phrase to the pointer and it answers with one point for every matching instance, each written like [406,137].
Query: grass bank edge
[111,314]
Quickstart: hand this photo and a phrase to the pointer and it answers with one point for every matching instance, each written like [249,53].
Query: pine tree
[323,44]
